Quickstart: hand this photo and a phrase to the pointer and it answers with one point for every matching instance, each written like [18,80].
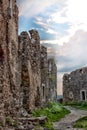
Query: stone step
[22,129]
[40,120]
[31,123]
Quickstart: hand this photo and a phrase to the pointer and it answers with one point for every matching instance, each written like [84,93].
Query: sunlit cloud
[72,55]
[29,8]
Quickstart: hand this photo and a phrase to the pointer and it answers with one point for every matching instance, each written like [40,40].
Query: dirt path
[67,122]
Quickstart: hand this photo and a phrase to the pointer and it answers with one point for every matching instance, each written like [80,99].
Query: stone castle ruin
[29,66]
[75,86]
[24,67]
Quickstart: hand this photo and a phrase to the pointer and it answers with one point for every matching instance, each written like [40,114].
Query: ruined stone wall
[8,58]
[29,52]
[12,43]
[44,75]
[23,66]
[52,79]
[75,85]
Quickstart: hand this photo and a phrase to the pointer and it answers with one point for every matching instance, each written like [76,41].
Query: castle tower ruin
[29,55]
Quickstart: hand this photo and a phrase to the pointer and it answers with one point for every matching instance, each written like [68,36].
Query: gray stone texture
[52,79]
[74,84]
[29,62]
[8,59]
[44,75]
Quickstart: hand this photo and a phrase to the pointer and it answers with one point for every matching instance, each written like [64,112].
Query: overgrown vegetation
[81,123]
[78,105]
[53,112]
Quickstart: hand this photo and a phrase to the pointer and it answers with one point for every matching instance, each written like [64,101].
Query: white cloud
[30,8]
[47,26]
[52,42]
[74,52]
[76,11]
[72,55]
[40,22]
[73,14]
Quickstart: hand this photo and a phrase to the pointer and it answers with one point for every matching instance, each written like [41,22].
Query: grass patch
[53,112]
[81,123]
[78,105]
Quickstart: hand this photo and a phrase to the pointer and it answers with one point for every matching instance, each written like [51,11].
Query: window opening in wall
[80,70]
[43,91]
[1,54]
[43,86]
[83,95]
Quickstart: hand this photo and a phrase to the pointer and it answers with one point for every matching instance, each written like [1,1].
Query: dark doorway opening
[1,54]
[83,95]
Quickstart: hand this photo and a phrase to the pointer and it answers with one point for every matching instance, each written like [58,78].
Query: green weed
[78,105]
[81,123]
[53,112]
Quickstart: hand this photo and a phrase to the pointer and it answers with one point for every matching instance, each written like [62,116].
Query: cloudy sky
[62,25]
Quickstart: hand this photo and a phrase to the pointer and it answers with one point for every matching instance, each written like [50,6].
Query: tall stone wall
[8,58]
[12,48]
[29,52]
[44,75]
[52,79]
[75,85]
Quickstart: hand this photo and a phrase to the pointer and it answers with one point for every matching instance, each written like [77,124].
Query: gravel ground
[67,122]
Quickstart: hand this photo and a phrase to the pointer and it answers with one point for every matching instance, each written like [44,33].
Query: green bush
[79,105]
[55,107]
[53,112]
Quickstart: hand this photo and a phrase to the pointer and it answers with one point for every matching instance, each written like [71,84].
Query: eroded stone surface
[29,58]
[44,75]
[75,85]
[52,79]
